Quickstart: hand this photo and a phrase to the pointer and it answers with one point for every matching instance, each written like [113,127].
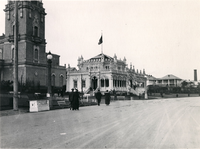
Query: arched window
[61,80]
[75,84]
[36,55]
[107,83]
[53,78]
[83,83]
[102,82]
[36,31]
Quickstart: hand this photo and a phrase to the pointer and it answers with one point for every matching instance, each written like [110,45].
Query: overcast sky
[162,37]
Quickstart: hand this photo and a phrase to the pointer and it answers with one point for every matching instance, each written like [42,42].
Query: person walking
[98,97]
[75,102]
[107,97]
[115,95]
[71,94]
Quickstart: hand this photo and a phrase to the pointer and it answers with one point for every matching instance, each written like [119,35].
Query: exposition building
[105,73]
[32,55]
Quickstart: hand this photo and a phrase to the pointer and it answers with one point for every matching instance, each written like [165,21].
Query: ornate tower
[31,17]
[31,45]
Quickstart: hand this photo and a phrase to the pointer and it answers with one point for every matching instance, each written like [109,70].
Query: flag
[101,40]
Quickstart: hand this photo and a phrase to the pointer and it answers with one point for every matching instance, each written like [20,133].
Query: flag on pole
[101,40]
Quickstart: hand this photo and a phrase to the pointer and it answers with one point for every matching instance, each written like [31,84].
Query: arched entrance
[94,83]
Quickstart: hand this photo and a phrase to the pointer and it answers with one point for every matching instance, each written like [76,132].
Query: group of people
[74,99]
[98,96]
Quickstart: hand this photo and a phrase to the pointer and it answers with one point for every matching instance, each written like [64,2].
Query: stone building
[32,61]
[105,73]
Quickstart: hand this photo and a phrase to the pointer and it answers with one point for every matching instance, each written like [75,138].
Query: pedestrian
[98,97]
[75,102]
[107,97]
[71,94]
[115,95]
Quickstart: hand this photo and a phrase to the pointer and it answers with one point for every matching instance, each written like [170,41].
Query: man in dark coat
[107,98]
[71,94]
[75,102]
[98,97]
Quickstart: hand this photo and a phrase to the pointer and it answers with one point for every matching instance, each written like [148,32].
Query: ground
[158,123]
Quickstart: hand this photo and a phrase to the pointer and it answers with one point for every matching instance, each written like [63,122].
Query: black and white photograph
[118,74]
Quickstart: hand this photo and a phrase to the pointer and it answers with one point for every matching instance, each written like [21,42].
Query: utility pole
[15,69]
[81,87]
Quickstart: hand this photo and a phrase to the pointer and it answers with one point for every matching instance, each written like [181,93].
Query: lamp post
[49,61]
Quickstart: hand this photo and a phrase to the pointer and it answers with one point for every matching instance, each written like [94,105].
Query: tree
[184,84]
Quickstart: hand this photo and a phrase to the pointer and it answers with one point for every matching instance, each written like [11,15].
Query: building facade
[168,80]
[105,73]
[32,55]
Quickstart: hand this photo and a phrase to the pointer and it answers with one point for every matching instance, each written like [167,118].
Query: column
[111,83]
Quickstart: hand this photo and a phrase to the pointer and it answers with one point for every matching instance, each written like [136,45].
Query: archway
[94,83]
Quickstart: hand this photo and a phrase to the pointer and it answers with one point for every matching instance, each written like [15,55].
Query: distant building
[32,61]
[168,80]
[105,73]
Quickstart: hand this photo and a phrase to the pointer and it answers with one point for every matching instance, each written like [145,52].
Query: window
[61,80]
[8,15]
[107,67]
[1,54]
[36,54]
[21,12]
[107,83]
[102,82]
[36,31]
[53,77]
[42,17]
[83,83]
[75,83]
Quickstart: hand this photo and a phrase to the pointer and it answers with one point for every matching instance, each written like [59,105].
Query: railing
[87,91]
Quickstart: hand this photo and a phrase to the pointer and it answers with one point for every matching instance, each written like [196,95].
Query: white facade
[105,73]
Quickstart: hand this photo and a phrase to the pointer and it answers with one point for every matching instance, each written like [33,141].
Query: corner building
[32,56]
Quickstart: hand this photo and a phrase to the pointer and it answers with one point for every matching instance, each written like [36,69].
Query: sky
[162,37]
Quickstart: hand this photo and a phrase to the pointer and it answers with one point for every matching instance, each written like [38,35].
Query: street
[158,123]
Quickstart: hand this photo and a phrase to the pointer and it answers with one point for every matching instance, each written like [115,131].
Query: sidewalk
[8,112]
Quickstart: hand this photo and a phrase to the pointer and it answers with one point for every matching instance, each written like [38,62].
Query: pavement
[159,123]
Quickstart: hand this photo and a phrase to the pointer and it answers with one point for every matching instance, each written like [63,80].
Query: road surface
[158,123]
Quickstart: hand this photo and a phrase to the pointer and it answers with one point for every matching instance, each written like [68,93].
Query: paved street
[159,123]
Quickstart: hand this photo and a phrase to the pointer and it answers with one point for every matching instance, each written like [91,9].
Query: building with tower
[32,55]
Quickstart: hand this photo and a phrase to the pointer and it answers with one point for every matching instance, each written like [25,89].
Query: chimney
[195,75]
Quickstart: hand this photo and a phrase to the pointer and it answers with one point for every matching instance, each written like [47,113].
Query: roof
[102,55]
[170,77]
[150,77]
[71,69]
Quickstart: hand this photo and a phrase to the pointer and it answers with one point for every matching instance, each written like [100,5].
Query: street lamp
[49,61]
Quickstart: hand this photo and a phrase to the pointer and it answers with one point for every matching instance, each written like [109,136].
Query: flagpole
[102,42]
